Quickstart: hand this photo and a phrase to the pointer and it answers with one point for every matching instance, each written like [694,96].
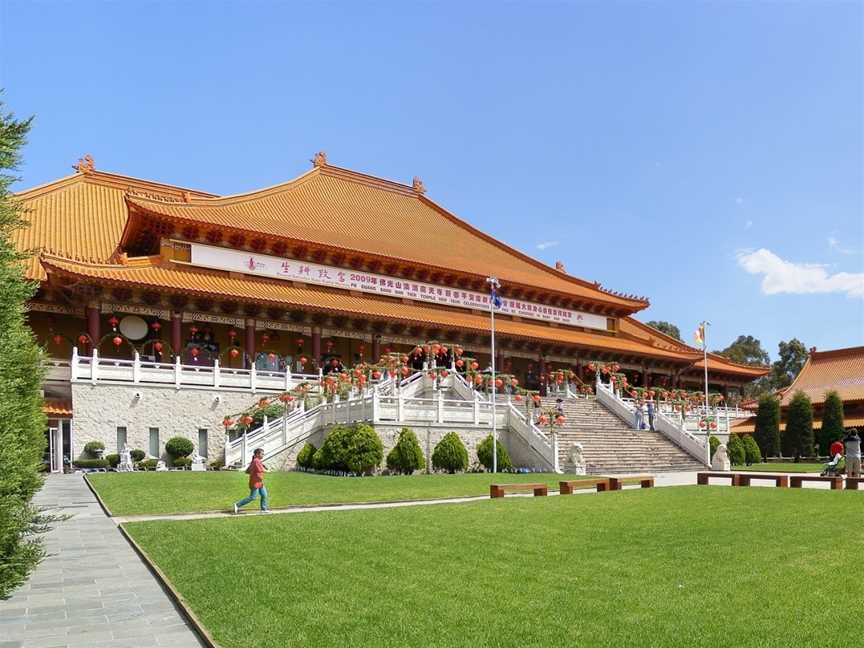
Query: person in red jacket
[836,448]
[256,482]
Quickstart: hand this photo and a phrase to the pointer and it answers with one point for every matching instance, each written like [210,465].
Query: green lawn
[686,566]
[184,492]
[783,467]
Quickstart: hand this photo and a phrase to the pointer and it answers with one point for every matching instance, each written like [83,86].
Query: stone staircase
[611,446]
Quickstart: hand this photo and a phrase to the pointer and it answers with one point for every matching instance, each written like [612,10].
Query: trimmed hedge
[406,456]
[450,454]
[179,447]
[181,462]
[137,455]
[752,453]
[93,447]
[306,456]
[735,450]
[355,449]
[484,454]
[90,463]
[113,460]
[147,464]
[217,464]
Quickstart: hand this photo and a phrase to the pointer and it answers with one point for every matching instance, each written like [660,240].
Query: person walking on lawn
[256,482]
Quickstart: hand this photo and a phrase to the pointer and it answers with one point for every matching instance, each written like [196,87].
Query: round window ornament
[133,327]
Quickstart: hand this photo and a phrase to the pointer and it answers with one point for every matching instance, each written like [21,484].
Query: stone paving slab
[92,590]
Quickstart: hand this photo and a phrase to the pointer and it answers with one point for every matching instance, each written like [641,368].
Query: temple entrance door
[55,449]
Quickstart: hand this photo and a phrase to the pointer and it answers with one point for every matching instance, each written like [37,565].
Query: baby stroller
[835,467]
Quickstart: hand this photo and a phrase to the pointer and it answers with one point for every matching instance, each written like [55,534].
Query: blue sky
[706,155]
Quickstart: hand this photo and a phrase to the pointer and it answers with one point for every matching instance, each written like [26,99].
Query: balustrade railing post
[253,378]
[555,450]
[476,410]
[399,405]
[73,366]
[217,372]
[243,450]
[287,377]
[177,372]
[440,407]
[285,427]
[94,366]
[136,368]
[376,412]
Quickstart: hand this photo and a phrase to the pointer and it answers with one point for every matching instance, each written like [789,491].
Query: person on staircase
[651,414]
[637,411]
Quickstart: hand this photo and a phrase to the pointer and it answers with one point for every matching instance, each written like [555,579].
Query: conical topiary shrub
[484,454]
[450,454]
[406,456]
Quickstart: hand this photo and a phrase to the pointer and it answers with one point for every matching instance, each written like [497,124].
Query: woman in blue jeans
[256,482]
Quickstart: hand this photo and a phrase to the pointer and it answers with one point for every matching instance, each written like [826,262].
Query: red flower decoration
[234,353]
[286,398]
[227,421]
[83,339]
[117,340]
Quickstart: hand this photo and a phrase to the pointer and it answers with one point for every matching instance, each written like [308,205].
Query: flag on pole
[493,296]
[700,334]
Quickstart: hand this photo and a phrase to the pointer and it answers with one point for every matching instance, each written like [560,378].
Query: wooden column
[316,346]
[177,332]
[250,341]
[376,348]
[93,323]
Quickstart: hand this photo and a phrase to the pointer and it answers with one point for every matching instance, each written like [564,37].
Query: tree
[735,450]
[746,350]
[798,438]
[406,456]
[792,355]
[484,454]
[752,453]
[832,422]
[22,423]
[767,433]
[450,454]
[666,327]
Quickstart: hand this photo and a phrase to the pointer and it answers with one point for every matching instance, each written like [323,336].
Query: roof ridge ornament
[559,266]
[319,159]
[85,164]
[418,186]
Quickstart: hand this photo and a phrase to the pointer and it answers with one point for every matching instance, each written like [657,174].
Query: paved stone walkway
[92,591]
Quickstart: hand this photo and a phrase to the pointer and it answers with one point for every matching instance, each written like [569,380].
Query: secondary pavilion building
[334,263]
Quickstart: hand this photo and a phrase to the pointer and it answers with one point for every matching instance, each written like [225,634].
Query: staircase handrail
[534,437]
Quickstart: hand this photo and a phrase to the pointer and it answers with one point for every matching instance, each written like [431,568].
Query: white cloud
[781,276]
[546,244]
[834,246]
[748,224]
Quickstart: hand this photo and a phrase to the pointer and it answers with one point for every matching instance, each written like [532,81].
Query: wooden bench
[646,481]
[702,477]
[497,490]
[853,482]
[797,481]
[780,481]
[567,487]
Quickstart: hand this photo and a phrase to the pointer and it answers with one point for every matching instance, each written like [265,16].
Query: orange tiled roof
[55,408]
[716,363]
[81,216]
[748,426]
[840,369]
[331,206]
[217,284]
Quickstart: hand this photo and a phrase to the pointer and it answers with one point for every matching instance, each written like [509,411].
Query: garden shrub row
[349,448]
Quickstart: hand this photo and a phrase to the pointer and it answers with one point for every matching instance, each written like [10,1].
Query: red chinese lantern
[303,360]
[478,380]
[386,350]
[460,363]
[83,339]
[436,348]
[542,419]
[443,349]
[194,351]
[286,398]
[431,374]
[157,347]
[514,381]
[57,339]
[518,398]
[536,398]
[559,419]
[232,333]
[444,373]
[271,357]
[193,330]
[117,340]
[265,339]
[234,352]
[498,383]
[113,321]
[300,342]
[227,421]
[475,365]
[405,371]
[262,402]
[155,326]
[245,420]
[376,375]
[404,359]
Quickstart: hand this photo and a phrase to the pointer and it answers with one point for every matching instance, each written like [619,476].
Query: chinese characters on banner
[292,270]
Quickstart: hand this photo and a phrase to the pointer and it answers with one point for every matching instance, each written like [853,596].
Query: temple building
[840,370]
[334,264]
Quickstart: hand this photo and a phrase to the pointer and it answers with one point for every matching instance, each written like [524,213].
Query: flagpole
[705,326]
[493,285]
